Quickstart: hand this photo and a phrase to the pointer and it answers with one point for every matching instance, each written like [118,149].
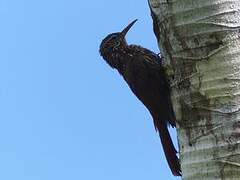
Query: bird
[144,73]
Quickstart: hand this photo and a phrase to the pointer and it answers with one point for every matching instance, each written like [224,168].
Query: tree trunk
[199,40]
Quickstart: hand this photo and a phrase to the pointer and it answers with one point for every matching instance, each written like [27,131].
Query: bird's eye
[112,41]
[116,45]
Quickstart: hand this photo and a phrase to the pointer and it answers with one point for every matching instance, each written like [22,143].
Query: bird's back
[146,78]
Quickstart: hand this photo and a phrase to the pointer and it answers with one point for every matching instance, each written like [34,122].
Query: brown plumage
[142,70]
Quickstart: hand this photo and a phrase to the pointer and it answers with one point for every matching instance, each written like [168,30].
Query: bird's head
[113,43]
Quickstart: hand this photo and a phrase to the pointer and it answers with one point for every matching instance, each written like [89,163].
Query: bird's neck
[121,57]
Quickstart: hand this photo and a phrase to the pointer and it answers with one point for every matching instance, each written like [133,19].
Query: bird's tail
[169,149]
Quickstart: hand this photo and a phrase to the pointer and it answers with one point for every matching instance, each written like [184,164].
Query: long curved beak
[126,29]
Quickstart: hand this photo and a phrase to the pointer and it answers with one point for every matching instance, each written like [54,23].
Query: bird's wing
[147,80]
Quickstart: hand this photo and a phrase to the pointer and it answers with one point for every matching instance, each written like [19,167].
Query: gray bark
[199,40]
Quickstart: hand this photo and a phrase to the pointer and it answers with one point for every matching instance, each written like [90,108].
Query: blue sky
[64,113]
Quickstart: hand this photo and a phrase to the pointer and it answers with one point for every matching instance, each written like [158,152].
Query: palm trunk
[200,43]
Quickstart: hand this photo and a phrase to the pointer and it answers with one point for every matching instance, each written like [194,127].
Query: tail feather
[169,149]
